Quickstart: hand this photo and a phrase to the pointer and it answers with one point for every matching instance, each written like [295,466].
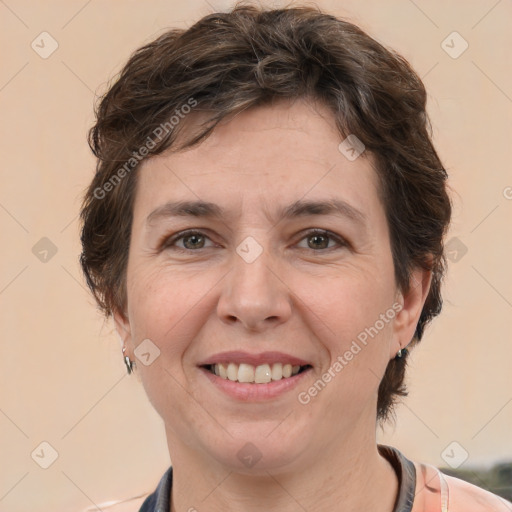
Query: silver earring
[129,364]
[400,353]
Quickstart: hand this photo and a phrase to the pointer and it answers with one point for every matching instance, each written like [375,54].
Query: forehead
[263,159]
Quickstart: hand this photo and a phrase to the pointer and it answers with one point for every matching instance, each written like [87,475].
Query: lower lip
[255,392]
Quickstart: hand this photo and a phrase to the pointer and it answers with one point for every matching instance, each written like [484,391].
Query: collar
[159,501]
[406,473]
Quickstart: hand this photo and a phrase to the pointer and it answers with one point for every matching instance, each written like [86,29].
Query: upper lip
[239,357]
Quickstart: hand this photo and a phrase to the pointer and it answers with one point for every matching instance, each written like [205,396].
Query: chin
[255,449]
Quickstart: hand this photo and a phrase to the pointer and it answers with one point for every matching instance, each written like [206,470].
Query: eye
[195,240]
[192,240]
[320,239]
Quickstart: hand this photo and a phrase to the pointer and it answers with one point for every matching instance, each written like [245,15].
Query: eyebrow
[300,208]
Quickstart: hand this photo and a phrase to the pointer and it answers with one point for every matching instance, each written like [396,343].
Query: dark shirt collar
[159,501]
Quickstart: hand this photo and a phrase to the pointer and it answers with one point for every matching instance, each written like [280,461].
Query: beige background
[62,378]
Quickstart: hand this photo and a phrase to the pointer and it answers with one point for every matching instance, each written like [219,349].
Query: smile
[261,374]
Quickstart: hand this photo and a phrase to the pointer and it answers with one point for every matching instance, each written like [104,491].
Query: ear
[123,327]
[411,306]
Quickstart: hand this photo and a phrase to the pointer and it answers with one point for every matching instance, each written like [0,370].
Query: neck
[349,477]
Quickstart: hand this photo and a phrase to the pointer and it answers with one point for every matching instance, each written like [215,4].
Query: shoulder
[436,491]
[466,497]
[146,502]
[127,505]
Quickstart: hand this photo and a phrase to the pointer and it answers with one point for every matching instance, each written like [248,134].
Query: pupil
[316,237]
[193,237]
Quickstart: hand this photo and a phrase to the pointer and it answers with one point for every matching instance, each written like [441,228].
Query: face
[262,281]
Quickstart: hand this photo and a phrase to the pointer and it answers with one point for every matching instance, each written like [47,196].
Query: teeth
[261,374]
[277,371]
[232,371]
[245,373]
[223,371]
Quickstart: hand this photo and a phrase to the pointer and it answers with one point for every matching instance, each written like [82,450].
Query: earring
[129,364]
[400,353]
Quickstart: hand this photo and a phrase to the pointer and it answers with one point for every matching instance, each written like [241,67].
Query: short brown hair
[251,56]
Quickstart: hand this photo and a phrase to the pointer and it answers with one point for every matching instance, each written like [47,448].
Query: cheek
[358,309]
[160,306]
[353,301]
[164,308]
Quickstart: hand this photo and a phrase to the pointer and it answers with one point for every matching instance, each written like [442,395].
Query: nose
[254,295]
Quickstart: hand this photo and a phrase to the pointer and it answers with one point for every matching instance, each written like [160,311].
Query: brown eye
[193,241]
[319,240]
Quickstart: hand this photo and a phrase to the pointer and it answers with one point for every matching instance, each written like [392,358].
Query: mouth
[250,377]
[251,374]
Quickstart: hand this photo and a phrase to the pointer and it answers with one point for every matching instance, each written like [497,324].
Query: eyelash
[168,243]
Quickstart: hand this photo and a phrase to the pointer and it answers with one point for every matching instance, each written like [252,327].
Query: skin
[302,296]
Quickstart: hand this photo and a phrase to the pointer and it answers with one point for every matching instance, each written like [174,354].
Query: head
[254,110]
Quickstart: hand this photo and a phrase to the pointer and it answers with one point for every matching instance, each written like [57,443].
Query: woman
[266,228]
